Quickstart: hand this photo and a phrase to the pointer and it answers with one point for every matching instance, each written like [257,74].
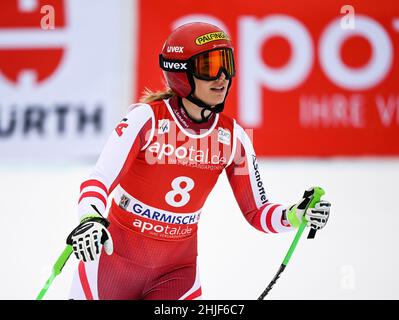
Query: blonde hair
[151,96]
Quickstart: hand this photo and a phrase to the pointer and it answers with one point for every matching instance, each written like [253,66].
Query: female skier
[161,162]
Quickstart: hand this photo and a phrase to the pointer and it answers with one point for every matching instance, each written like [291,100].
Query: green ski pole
[318,193]
[57,268]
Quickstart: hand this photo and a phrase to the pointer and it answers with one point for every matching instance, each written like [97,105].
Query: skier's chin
[214,101]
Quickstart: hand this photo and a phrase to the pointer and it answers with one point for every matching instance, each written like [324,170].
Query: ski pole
[318,193]
[57,268]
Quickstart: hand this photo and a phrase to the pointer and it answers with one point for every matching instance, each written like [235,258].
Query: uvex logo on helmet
[175,49]
[24,46]
[174,66]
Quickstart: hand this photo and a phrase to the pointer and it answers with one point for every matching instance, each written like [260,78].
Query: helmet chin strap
[216,109]
[198,102]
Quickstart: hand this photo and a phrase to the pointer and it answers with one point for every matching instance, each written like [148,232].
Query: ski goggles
[207,65]
[210,65]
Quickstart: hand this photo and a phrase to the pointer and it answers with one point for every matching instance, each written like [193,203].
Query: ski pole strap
[312,233]
[319,192]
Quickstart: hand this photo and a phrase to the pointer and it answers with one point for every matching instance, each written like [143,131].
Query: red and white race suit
[161,167]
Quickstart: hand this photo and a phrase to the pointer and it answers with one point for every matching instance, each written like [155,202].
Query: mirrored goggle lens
[208,64]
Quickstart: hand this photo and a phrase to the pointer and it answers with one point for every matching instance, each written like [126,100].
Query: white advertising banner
[64,75]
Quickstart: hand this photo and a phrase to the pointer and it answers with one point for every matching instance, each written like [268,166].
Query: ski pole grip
[318,193]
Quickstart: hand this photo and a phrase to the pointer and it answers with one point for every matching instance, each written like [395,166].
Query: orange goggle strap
[174,65]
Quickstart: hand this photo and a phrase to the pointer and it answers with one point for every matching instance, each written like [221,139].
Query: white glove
[316,217]
[88,237]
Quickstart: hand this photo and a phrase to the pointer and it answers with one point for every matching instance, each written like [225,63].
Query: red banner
[314,78]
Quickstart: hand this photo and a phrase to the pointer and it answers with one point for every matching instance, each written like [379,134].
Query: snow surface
[354,257]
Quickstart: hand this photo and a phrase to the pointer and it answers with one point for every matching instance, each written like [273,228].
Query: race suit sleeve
[130,136]
[249,189]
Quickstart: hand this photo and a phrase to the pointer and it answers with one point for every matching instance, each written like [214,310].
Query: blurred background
[316,81]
